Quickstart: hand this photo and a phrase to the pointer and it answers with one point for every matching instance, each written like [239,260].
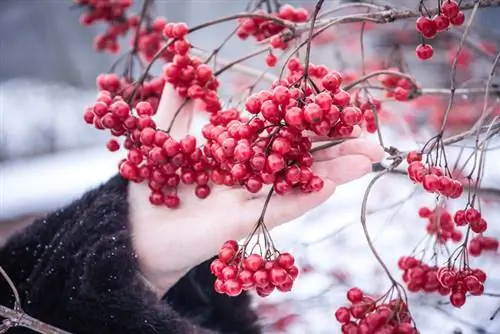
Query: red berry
[458,19]
[343,315]
[424,51]
[355,295]
[457,299]
[113,145]
[427,27]
[271,60]
[450,8]
[442,22]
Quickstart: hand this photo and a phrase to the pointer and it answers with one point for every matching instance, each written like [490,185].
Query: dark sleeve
[76,270]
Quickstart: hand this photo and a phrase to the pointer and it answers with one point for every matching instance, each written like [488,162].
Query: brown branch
[377,73]
[237,61]
[391,15]
[454,69]
[364,206]
[319,4]
[17,302]
[15,318]
[241,16]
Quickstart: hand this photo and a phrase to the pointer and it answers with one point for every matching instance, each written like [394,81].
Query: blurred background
[49,156]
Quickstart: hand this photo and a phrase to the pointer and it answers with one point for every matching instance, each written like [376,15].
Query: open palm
[169,242]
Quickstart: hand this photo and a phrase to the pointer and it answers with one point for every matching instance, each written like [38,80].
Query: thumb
[176,109]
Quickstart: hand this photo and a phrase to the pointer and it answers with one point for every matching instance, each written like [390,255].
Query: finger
[356,132]
[343,169]
[176,109]
[282,209]
[357,146]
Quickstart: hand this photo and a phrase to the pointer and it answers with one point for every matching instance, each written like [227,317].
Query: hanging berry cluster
[189,76]
[429,27]
[396,86]
[150,91]
[480,244]
[113,13]
[237,271]
[440,224]
[153,156]
[147,39]
[447,280]
[366,314]
[432,178]
[261,28]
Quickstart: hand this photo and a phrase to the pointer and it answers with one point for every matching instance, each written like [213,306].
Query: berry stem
[319,4]
[365,228]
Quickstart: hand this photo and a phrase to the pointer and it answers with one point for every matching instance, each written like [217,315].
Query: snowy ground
[329,238]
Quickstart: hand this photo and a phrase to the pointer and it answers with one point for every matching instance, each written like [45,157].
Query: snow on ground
[328,238]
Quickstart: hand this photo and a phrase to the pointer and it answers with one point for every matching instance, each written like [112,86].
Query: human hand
[169,242]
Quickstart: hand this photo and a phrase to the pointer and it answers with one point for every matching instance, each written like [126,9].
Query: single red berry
[442,22]
[457,299]
[427,27]
[343,315]
[113,145]
[424,51]
[271,60]
[355,295]
[450,8]
[458,19]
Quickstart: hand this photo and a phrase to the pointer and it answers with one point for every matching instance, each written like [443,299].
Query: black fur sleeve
[76,270]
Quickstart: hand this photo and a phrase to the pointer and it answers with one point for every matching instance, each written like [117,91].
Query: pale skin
[169,242]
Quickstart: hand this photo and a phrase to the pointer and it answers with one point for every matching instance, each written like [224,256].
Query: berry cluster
[150,41]
[420,277]
[190,77]
[236,271]
[432,178]
[262,28]
[323,108]
[153,156]
[440,223]
[396,86]
[429,27]
[255,152]
[367,315]
[113,13]
[150,91]
[445,280]
[480,244]
[369,108]
[471,217]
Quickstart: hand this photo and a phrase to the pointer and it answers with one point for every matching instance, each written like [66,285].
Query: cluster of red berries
[365,315]
[271,147]
[396,86]
[251,153]
[432,178]
[440,223]
[326,109]
[153,156]
[471,217]
[262,28]
[420,277]
[429,27]
[113,13]
[445,280]
[190,77]
[150,40]
[150,91]
[237,272]
[480,244]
